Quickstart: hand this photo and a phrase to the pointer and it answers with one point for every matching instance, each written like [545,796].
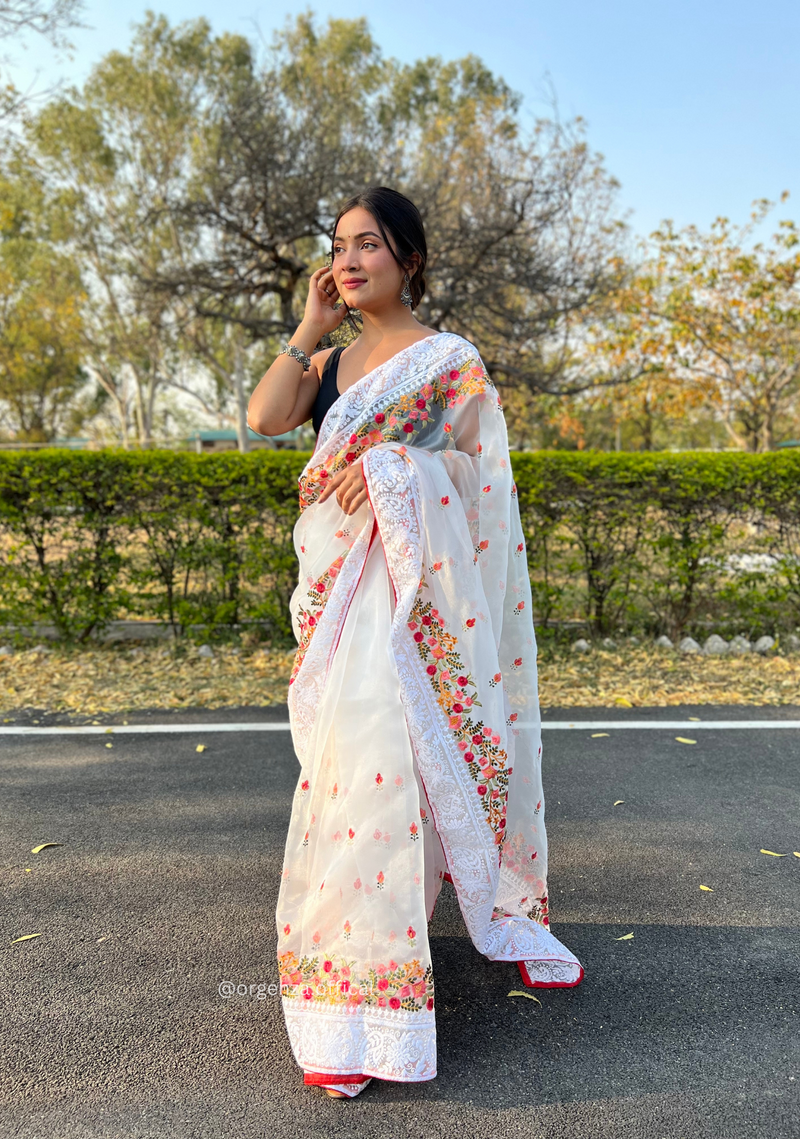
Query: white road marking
[283,726]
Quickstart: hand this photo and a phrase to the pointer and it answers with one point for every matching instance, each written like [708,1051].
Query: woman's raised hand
[322,297]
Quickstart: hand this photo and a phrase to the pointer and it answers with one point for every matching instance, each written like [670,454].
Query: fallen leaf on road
[707,888]
[597,735]
[36,849]
[696,719]
[618,801]
[25,937]
[200,747]
[683,740]
[519,993]
[625,937]
[773,853]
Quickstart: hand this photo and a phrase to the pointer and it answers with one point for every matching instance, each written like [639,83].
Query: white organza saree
[415,717]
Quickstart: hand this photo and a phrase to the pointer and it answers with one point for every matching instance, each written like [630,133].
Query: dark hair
[397,214]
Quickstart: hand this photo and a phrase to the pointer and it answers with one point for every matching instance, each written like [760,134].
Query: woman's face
[366,274]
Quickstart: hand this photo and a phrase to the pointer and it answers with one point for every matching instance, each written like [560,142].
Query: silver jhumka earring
[405,293]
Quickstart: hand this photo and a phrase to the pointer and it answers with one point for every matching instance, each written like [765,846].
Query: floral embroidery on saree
[334,980]
[457,696]
[308,618]
[401,421]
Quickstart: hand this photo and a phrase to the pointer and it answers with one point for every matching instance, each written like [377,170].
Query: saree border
[389,1044]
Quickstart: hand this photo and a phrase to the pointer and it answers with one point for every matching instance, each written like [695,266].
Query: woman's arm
[286,392]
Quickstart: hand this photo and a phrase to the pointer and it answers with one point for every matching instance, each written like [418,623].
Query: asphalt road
[112,1024]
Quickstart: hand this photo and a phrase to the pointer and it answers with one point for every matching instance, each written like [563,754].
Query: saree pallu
[414,712]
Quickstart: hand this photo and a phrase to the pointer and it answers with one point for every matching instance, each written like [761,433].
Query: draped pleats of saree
[415,718]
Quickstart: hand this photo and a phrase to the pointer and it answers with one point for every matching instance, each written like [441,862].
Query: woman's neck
[380,326]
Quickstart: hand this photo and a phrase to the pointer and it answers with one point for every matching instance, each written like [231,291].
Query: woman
[413,699]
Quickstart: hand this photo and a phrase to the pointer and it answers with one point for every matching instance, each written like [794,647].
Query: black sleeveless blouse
[328,389]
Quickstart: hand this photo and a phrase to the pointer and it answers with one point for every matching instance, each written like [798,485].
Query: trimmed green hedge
[92,536]
[623,541]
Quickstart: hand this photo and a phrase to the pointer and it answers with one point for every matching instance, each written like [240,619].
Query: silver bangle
[298,353]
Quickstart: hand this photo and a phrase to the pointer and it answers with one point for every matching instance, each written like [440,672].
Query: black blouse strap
[328,391]
[332,362]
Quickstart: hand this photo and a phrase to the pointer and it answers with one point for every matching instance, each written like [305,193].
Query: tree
[40,316]
[521,226]
[48,18]
[712,321]
[278,147]
[113,153]
[523,238]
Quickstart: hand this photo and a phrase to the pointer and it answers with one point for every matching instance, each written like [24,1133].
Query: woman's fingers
[353,492]
[355,503]
[327,285]
[349,486]
[331,486]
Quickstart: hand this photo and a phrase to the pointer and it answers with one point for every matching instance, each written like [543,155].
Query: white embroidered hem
[387,1043]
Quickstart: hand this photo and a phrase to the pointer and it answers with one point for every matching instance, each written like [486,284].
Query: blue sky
[695,106]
